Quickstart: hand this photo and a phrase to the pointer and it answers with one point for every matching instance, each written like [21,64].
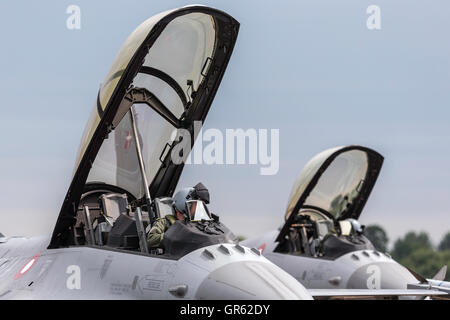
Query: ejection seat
[103,219]
[322,229]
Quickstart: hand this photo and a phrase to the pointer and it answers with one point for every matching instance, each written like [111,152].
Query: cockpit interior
[111,218]
[314,234]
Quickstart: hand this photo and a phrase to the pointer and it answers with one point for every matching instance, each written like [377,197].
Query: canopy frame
[167,176]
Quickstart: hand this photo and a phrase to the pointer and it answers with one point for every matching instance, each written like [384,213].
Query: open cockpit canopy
[164,78]
[337,183]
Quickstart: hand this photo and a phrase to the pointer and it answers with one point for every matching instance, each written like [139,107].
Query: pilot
[155,236]
[357,228]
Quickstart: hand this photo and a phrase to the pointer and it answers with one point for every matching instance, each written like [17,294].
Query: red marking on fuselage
[27,266]
[262,247]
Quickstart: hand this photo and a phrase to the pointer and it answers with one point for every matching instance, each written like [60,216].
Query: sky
[311,69]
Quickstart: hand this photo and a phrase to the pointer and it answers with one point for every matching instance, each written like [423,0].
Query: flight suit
[156,234]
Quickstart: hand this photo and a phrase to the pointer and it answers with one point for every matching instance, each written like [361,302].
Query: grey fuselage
[28,270]
[362,269]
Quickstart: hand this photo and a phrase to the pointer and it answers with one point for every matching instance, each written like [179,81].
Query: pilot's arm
[156,234]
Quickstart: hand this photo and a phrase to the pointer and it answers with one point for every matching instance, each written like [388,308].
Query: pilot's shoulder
[159,224]
[170,219]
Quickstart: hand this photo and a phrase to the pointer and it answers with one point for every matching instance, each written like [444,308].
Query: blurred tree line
[414,250]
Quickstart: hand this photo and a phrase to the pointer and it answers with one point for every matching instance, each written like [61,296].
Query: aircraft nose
[381,275]
[249,280]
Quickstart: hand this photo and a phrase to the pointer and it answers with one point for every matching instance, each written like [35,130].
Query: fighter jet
[163,80]
[160,86]
[321,243]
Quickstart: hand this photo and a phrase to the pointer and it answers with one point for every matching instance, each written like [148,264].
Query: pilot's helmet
[180,199]
[191,202]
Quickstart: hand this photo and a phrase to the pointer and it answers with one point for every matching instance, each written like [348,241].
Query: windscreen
[172,71]
[341,183]
[198,210]
[305,177]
